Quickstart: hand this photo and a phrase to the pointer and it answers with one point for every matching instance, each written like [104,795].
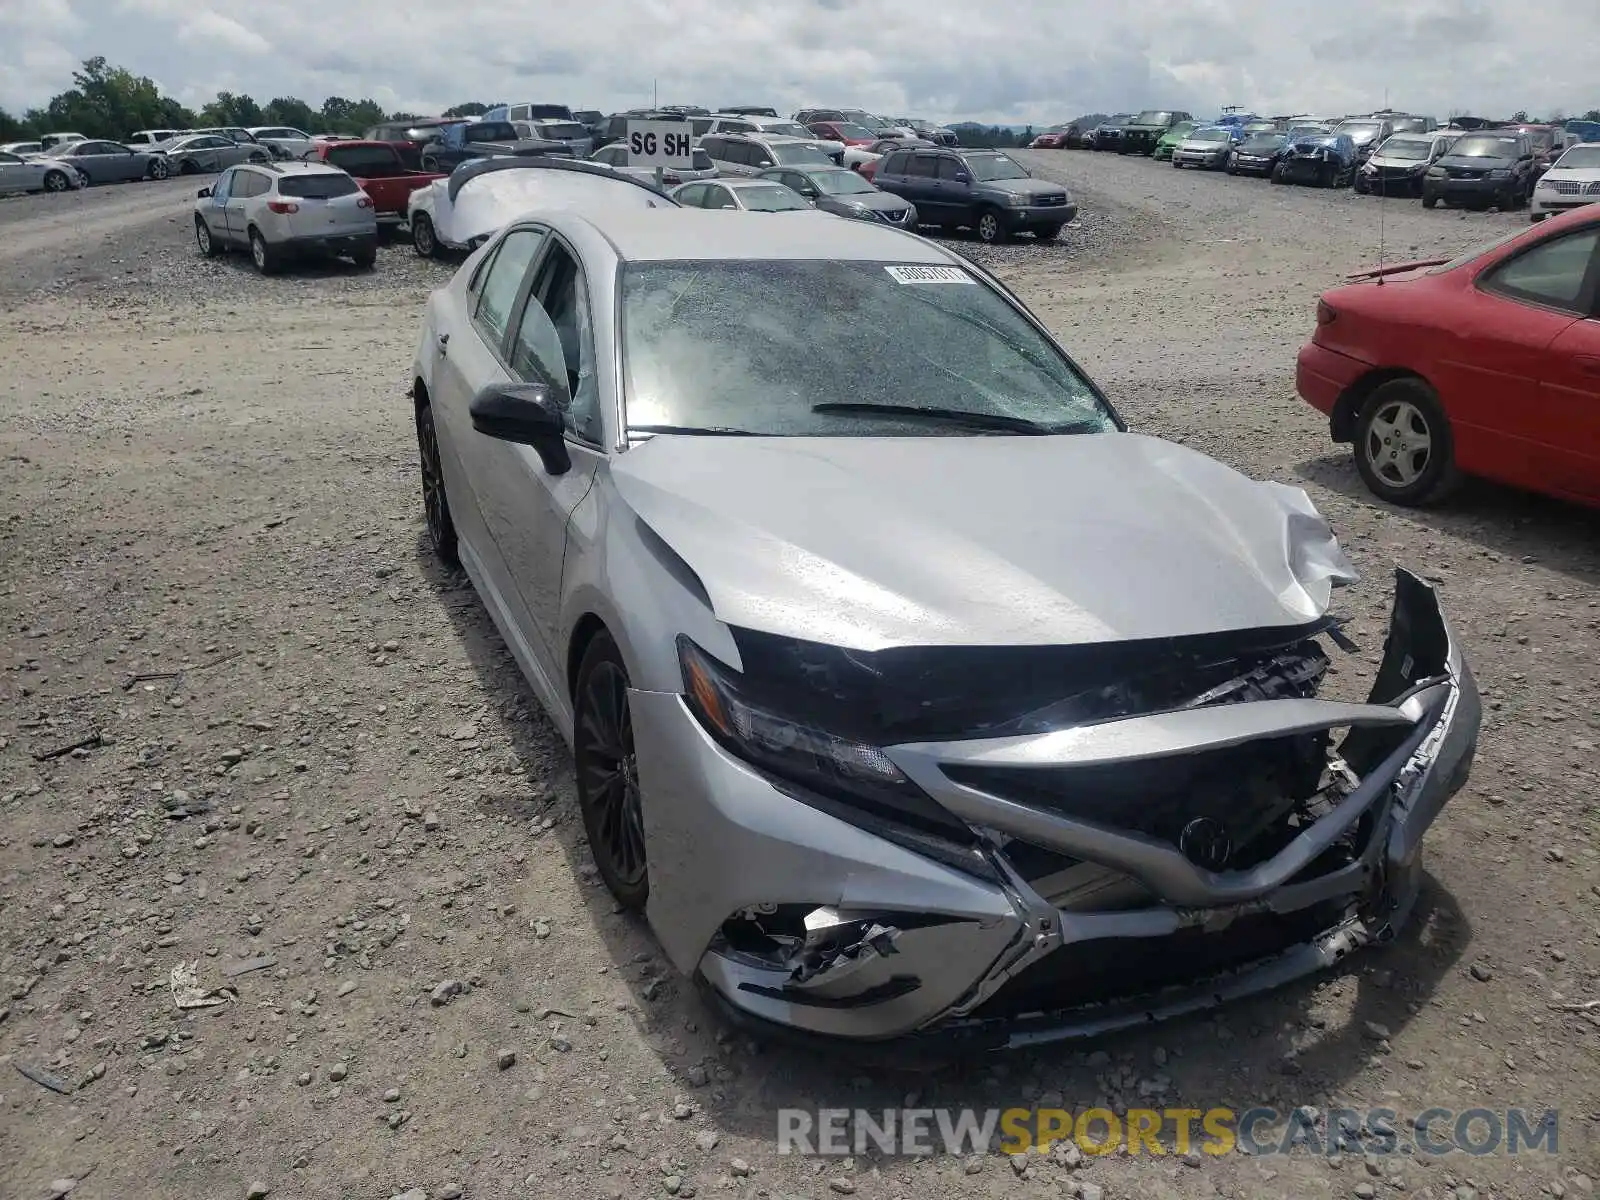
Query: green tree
[289,110]
[11,129]
[1592,115]
[231,109]
[470,109]
[111,102]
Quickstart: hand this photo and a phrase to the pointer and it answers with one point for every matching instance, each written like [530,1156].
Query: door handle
[444,345]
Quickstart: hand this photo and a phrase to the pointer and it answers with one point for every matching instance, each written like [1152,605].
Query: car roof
[666,234]
[742,182]
[295,167]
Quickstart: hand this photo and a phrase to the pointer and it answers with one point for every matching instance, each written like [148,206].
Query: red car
[843,131]
[1051,139]
[1487,365]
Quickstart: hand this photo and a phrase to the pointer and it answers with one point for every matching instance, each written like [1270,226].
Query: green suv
[1168,141]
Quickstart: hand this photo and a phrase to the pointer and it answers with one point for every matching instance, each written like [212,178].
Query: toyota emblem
[1205,842]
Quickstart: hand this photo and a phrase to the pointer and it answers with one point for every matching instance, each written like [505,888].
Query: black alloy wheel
[435,503]
[608,773]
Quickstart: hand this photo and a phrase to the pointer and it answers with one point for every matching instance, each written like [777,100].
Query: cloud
[1005,60]
[210,27]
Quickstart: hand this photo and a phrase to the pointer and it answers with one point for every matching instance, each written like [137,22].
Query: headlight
[1016,201]
[1369,169]
[1436,172]
[786,747]
[1547,185]
[1499,174]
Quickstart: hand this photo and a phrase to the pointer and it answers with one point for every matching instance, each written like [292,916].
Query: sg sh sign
[660,144]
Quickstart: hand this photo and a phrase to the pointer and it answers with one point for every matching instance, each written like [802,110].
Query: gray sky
[1003,60]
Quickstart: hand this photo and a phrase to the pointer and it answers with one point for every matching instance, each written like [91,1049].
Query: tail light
[1326,313]
[282,207]
[669,178]
[363,201]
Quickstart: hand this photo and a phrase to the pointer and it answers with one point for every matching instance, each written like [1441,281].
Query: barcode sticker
[929,275]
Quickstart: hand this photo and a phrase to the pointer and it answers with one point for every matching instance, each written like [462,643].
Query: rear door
[14,174]
[1569,385]
[244,198]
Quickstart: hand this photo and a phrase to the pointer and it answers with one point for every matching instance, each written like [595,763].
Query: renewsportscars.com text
[1157,1131]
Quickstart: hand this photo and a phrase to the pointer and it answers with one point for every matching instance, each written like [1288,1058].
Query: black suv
[1140,135]
[1491,166]
[983,190]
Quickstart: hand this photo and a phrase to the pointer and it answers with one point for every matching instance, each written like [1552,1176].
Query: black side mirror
[529,414]
[204,193]
[963,177]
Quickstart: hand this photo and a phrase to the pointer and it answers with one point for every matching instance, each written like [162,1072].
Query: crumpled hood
[875,542]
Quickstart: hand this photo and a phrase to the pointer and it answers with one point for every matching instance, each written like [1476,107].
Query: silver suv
[752,153]
[286,209]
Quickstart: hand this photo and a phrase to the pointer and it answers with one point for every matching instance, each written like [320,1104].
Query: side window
[691,196]
[219,192]
[555,342]
[503,281]
[948,166]
[712,145]
[718,197]
[735,152]
[1552,274]
[924,165]
[739,127]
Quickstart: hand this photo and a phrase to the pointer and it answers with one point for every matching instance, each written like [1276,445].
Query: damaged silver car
[911,695]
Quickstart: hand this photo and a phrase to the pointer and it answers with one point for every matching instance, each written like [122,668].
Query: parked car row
[1471,163]
[64,161]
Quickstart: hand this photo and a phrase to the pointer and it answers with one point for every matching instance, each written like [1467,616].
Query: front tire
[1429,201]
[423,238]
[160,168]
[57,181]
[1403,444]
[991,227]
[435,502]
[204,238]
[608,773]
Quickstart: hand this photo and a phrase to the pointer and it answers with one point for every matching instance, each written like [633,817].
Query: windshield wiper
[957,416]
[716,430]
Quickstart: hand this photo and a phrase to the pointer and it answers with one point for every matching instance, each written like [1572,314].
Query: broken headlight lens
[786,746]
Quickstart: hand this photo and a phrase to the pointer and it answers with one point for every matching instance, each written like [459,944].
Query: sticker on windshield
[929,275]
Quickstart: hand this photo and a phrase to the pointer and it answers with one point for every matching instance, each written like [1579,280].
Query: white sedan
[18,174]
[478,198]
[1572,181]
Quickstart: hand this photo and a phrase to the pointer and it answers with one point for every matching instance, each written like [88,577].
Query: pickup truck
[380,172]
[467,140]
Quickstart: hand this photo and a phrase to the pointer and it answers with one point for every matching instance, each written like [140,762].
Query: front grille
[1051,200]
[1108,969]
[1593,189]
[1464,173]
[1250,789]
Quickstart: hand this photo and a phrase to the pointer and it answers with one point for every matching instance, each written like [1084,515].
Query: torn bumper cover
[1113,872]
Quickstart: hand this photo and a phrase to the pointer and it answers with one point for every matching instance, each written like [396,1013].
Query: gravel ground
[305,752]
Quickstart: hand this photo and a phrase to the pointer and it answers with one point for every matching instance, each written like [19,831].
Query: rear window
[317,187]
[702,160]
[561,130]
[491,131]
[369,159]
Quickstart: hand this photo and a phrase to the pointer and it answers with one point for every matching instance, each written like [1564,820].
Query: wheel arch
[1347,409]
[583,634]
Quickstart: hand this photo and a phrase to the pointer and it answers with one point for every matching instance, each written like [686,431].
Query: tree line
[112,102]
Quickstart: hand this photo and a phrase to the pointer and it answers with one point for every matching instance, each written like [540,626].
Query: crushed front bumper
[958,946]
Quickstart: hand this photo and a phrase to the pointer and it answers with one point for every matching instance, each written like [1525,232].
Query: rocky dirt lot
[245,722]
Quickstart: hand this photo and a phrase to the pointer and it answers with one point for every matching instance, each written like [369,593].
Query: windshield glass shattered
[757,345]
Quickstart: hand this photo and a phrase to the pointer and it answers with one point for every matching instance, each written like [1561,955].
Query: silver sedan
[207,153]
[884,706]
